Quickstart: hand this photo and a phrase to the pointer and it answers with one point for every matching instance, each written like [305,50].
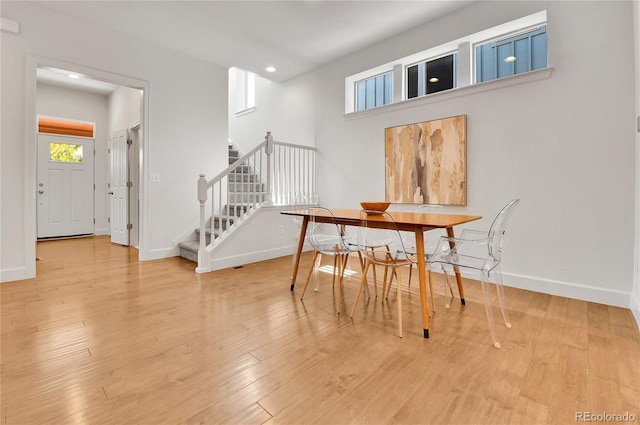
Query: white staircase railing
[272,173]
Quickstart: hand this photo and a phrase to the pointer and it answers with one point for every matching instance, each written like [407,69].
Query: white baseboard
[561,289]
[635,310]
[9,275]
[156,254]
[568,289]
[239,260]
[102,232]
[546,286]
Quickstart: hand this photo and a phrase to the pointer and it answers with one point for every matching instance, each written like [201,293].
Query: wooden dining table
[416,222]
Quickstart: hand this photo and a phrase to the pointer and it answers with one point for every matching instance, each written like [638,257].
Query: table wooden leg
[296,263]
[422,275]
[342,265]
[456,269]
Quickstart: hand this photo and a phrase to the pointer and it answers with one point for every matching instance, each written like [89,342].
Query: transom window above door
[65,127]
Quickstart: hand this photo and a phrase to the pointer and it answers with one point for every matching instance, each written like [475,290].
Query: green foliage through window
[64,152]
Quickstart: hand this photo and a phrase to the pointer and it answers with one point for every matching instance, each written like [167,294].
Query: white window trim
[466,62]
[500,83]
[245,92]
[245,111]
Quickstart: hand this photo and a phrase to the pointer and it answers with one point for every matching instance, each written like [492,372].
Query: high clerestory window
[374,91]
[245,91]
[432,76]
[514,54]
[512,48]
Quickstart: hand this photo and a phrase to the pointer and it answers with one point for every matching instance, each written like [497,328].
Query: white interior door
[119,187]
[65,186]
[134,190]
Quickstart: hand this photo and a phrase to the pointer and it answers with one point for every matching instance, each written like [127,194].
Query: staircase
[273,174]
[243,187]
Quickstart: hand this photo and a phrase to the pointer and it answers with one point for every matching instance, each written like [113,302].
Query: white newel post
[203,258]
[269,150]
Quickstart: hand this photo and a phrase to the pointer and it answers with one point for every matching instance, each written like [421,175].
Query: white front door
[65,186]
[119,187]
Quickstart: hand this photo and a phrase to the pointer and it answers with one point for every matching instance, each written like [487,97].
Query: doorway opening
[134,126]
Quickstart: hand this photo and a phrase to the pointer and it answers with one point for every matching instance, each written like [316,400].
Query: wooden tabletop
[415,219]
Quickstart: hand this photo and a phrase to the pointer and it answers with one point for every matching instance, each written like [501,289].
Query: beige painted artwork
[426,163]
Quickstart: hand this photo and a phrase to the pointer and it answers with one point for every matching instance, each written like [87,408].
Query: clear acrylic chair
[480,252]
[430,243]
[383,247]
[328,239]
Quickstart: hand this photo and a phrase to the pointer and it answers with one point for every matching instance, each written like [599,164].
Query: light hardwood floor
[100,338]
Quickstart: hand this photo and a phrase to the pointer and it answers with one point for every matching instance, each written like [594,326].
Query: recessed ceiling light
[510,59]
[270,69]
[434,79]
[74,76]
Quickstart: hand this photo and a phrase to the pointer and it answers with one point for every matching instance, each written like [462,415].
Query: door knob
[109,193]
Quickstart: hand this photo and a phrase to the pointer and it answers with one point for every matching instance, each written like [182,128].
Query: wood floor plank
[100,338]
[253,415]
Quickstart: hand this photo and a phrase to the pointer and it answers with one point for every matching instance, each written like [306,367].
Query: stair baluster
[273,173]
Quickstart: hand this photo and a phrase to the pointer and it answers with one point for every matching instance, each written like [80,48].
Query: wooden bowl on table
[374,207]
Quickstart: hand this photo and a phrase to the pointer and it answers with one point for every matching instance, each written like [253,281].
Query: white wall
[284,110]
[73,104]
[271,234]
[564,145]
[124,108]
[635,298]
[186,123]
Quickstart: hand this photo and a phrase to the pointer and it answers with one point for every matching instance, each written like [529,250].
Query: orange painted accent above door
[69,128]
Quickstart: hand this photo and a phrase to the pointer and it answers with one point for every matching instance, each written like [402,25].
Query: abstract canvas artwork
[426,163]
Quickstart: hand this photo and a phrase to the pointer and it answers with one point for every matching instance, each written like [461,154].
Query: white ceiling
[292,36]
[61,77]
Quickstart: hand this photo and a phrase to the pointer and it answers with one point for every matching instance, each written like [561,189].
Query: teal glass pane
[370,93]
[522,54]
[380,90]
[539,50]
[421,79]
[486,62]
[360,96]
[388,88]
[504,51]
